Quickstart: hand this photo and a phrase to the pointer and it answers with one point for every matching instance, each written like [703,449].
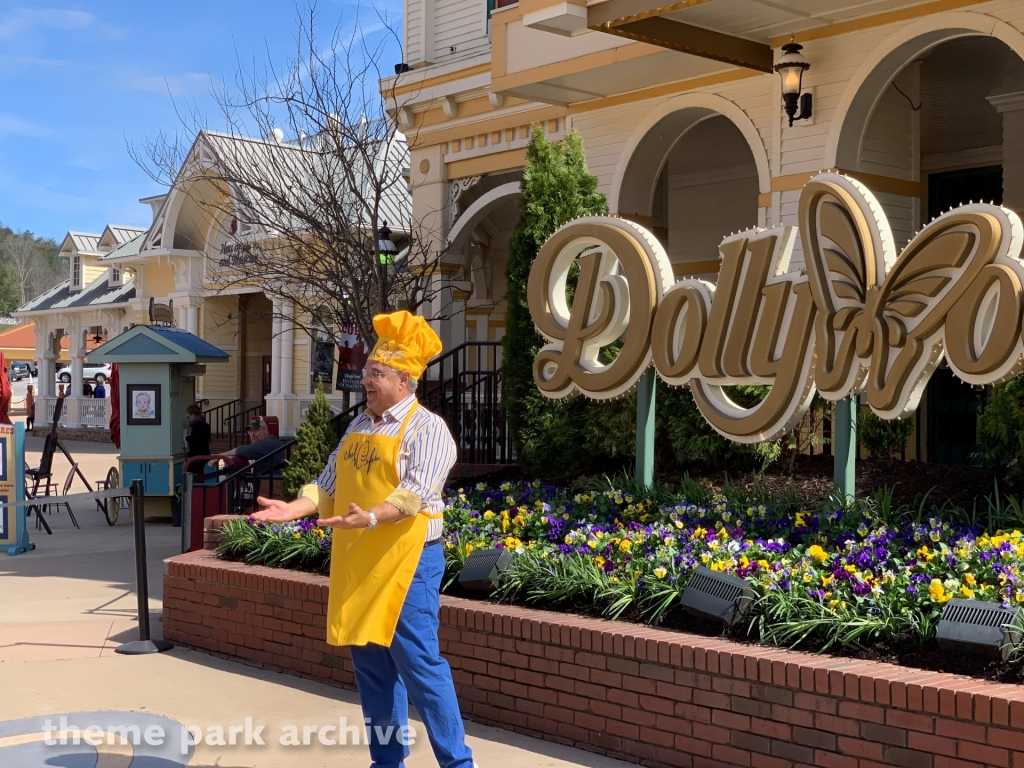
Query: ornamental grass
[840,577]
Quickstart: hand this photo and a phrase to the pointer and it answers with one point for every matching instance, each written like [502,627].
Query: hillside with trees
[29,265]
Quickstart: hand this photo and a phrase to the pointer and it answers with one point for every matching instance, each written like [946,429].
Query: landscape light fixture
[483,568]
[385,247]
[792,66]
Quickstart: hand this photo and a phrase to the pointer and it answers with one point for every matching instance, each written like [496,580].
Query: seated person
[261,444]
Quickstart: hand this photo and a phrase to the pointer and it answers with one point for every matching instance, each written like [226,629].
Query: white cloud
[12,125]
[20,21]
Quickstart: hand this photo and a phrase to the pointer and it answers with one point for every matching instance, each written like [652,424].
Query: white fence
[78,412]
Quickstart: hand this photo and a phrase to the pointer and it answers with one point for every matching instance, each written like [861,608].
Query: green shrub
[883,438]
[313,445]
[557,188]
[1001,427]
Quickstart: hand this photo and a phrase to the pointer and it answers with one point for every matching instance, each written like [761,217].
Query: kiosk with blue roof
[157,368]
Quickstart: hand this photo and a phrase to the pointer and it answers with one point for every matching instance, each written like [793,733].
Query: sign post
[13,531]
[844,441]
[645,429]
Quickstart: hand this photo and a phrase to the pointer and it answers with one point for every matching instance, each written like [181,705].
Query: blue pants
[412,668]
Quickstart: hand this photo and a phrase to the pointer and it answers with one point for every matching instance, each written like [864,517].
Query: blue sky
[79,80]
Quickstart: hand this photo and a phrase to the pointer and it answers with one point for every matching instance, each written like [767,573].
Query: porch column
[275,349]
[287,348]
[1011,107]
[192,318]
[46,360]
[76,349]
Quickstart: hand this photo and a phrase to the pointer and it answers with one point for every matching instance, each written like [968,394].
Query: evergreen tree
[557,188]
[569,436]
[313,445]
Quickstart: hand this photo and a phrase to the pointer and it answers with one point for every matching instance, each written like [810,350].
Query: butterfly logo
[884,322]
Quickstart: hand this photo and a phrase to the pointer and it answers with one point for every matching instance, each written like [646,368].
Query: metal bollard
[143,644]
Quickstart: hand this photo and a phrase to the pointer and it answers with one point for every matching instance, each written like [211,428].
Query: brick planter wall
[648,696]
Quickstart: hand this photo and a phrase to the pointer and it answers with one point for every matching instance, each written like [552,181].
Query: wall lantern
[792,66]
[385,247]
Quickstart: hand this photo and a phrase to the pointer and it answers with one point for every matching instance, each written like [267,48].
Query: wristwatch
[373,522]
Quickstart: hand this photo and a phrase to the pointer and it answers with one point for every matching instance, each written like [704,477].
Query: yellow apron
[371,570]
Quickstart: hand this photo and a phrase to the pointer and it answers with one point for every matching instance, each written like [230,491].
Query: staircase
[465,387]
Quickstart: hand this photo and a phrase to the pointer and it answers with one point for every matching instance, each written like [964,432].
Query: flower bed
[660,698]
[844,578]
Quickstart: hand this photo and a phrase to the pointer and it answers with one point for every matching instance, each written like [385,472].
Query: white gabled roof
[83,242]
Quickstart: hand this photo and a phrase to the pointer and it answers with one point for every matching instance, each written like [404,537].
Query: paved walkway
[66,605]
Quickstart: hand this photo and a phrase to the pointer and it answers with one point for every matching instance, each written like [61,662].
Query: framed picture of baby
[143,404]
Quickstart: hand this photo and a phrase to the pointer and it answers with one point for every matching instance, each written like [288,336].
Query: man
[381,493]
[261,444]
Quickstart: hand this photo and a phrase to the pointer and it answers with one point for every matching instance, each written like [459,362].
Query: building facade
[179,263]
[684,124]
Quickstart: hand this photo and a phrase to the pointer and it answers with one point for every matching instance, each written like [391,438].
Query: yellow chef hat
[405,342]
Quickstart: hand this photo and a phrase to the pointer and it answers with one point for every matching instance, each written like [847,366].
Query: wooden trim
[684,268]
[430,82]
[514,120]
[479,311]
[764,200]
[616,12]
[617,55]
[877,20]
[686,38]
[884,184]
[492,163]
[668,89]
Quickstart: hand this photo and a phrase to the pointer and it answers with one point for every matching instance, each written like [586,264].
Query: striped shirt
[425,457]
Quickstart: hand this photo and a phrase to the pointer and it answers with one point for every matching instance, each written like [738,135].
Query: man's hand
[357,517]
[277,511]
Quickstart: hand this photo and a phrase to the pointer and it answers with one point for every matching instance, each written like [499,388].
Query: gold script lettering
[858,318]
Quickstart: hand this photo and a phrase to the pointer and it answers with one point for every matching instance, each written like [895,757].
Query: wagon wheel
[112,507]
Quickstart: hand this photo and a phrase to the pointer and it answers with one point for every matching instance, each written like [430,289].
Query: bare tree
[299,218]
[34,262]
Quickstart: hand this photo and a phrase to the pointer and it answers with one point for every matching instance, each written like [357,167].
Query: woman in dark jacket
[198,439]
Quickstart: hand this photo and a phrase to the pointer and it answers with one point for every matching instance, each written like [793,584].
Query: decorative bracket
[458,187]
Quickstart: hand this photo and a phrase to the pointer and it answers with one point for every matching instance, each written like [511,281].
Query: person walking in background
[100,392]
[86,389]
[198,438]
[30,407]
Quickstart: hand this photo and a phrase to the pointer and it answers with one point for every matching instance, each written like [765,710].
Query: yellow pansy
[817,553]
[660,572]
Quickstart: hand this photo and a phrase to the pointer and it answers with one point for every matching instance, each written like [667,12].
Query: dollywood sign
[856,318]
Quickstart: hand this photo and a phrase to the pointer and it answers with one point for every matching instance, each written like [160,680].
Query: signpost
[13,531]
[645,429]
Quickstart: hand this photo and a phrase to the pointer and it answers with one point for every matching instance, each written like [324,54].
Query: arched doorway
[692,178]
[941,119]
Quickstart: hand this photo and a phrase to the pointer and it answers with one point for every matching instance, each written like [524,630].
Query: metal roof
[97,293]
[157,344]
[86,242]
[302,173]
[189,341]
[126,249]
[123,234]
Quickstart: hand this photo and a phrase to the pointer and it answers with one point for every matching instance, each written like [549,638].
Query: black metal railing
[216,417]
[465,386]
[234,491]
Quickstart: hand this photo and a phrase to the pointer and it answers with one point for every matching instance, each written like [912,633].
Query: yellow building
[685,125]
